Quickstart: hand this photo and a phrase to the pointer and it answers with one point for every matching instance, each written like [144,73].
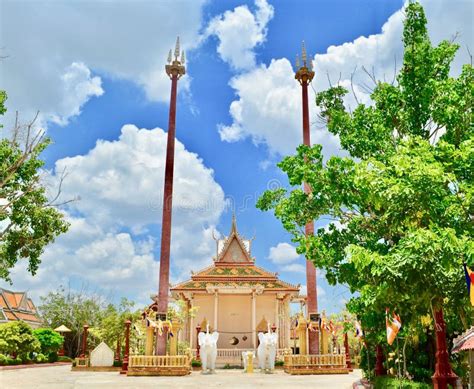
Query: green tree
[74,310]
[28,220]
[17,339]
[401,202]
[49,339]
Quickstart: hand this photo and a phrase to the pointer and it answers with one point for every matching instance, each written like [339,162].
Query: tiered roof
[234,266]
[18,306]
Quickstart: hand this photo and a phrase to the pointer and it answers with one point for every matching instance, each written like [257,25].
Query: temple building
[236,297]
[16,306]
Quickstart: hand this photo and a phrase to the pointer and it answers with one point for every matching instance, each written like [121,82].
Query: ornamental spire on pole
[304,75]
[175,70]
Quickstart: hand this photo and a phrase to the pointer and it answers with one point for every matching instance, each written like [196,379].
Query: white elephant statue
[266,351]
[245,358]
[208,350]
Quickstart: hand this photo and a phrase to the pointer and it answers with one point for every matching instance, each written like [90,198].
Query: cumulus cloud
[114,224]
[285,257]
[51,48]
[239,31]
[282,253]
[269,112]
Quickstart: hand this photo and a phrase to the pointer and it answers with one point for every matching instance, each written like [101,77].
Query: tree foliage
[49,339]
[401,203]
[28,220]
[17,339]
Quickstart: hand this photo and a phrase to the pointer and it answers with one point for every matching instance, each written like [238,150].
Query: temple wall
[266,308]
[235,319]
[205,302]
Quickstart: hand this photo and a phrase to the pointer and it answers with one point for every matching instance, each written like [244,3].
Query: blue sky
[96,67]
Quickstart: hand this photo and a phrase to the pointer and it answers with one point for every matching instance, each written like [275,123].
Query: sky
[95,71]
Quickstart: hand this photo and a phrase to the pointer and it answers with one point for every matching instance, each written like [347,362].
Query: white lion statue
[208,350]
[266,351]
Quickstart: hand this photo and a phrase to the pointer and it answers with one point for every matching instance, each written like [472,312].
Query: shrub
[41,358]
[3,360]
[16,338]
[64,359]
[279,363]
[49,339]
[395,383]
[53,357]
[118,363]
[196,363]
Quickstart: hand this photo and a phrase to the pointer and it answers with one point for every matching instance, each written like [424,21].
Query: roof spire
[233,229]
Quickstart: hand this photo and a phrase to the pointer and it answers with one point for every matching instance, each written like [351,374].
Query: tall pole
[304,75]
[175,70]
[444,374]
[126,353]
[84,341]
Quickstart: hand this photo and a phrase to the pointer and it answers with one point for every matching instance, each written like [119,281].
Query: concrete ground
[61,377]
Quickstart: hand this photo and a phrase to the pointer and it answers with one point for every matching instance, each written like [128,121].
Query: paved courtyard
[61,377]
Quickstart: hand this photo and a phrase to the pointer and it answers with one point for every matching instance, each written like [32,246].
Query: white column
[191,324]
[254,325]
[277,316]
[216,305]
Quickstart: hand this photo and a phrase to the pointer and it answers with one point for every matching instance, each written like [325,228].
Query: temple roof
[17,306]
[234,267]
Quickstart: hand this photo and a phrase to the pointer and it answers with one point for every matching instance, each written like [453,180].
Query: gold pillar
[301,333]
[150,332]
[176,327]
[324,341]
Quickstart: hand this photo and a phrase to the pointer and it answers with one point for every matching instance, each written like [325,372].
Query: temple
[236,297]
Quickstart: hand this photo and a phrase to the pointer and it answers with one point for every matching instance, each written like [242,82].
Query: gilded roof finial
[183,59]
[170,58]
[297,61]
[234,224]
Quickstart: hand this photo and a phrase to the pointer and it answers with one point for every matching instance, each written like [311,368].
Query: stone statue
[208,350]
[266,351]
[248,357]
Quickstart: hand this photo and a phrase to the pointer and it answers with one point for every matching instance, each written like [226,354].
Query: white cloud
[294,268]
[283,253]
[304,291]
[50,47]
[269,111]
[239,32]
[114,224]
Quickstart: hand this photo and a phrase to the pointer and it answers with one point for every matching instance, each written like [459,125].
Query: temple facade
[236,297]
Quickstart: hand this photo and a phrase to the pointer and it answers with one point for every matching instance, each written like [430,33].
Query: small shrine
[237,297]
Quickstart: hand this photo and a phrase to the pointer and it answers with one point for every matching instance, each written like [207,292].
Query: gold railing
[315,364]
[169,365]
[158,361]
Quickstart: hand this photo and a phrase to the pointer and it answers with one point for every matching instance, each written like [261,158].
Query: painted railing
[315,364]
[158,361]
[169,365]
[237,352]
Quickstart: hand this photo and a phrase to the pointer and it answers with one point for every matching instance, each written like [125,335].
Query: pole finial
[170,58]
[297,61]
[303,54]
[183,58]
[176,50]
